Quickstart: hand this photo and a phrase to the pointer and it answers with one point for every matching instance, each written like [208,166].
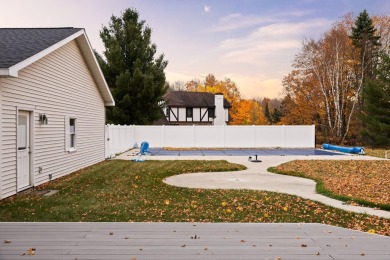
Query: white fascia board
[95,69]
[8,73]
[14,69]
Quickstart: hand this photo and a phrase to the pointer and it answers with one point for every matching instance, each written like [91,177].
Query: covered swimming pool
[242,152]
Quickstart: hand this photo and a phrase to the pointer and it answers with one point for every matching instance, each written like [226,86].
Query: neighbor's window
[70,134]
[189,111]
[211,112]
[167,112]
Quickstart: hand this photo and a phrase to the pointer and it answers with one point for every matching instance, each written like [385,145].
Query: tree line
[335,79]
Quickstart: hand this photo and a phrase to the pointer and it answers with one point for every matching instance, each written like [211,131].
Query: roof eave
[5,72]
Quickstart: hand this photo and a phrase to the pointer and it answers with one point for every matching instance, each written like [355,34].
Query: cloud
[267,50]
[272,42]
[207,9]
[237,21]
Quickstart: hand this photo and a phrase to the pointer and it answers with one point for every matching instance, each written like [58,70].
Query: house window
[22,132]
[70,134]
[211,112]
[189,111]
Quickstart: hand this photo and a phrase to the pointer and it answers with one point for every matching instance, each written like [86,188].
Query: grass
[362,182]
[128,191]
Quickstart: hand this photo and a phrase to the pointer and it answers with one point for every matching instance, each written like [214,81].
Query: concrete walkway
[256,177]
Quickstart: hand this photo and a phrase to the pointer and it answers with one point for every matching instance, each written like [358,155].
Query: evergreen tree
[363,37]
[135,77]
[377,107]
[267,114]
[276,116]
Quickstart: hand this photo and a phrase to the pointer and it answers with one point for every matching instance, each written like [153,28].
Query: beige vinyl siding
[1,144]
[58,85]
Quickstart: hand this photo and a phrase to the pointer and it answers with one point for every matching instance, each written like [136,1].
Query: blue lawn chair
[144,150]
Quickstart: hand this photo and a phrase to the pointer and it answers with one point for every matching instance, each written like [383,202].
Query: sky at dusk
[252,42]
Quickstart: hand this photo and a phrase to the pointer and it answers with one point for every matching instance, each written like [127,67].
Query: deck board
[177,241]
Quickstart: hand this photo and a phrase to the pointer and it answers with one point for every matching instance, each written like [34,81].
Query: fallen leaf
[183,245]
[111,233]
[303,245]
[31,251]
[318,253]
[7,241]
[242,241]
[362,254]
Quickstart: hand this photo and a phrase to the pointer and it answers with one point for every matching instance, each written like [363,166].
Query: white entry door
[23,138]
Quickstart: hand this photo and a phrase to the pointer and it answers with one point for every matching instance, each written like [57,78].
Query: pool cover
[242,152]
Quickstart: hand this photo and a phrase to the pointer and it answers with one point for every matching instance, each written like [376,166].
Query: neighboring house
[52,106]
[195,108]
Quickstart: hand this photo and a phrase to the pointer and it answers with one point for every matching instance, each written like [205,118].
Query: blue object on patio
[353,150]
[144,150]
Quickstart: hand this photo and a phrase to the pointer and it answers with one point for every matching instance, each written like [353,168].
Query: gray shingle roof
[18,44]
[192,99]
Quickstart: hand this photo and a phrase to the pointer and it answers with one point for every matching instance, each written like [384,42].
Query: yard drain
[255,160]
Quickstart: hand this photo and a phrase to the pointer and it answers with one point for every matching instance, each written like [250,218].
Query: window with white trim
[70,134]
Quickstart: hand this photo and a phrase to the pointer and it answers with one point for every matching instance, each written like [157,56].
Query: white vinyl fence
[122,138]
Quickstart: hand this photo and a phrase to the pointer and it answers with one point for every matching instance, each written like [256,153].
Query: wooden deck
[136,241]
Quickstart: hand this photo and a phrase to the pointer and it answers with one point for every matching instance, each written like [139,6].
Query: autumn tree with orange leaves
[326,85]
[243,111]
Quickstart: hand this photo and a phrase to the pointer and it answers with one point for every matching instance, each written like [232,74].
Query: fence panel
[208,136]
[122,138]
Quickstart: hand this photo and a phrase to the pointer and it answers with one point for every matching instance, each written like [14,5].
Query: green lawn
[128,191]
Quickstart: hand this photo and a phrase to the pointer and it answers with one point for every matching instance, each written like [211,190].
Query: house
[52,100]
[195,108]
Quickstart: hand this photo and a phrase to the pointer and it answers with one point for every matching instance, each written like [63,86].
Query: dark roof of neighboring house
[18,44]
[192,99]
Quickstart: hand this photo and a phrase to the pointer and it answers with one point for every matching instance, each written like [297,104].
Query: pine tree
[135,77]
[377,107]
[267,114]
[276,116]
[363,37]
